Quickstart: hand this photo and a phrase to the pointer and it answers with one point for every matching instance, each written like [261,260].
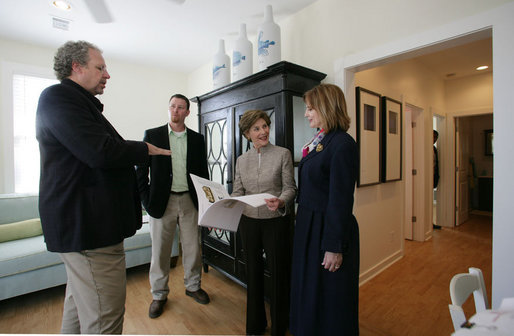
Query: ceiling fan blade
[99,11]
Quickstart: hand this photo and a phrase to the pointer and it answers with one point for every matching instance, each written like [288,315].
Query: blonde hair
[328,100]
[249,118]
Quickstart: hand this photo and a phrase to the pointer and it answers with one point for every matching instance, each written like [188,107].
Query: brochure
[217,209]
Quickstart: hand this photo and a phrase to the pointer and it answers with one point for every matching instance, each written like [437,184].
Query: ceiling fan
[101,13]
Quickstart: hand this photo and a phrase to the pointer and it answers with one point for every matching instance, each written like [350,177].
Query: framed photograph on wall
[391,139]
[368,136]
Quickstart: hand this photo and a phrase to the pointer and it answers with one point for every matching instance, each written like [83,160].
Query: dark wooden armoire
[277,90]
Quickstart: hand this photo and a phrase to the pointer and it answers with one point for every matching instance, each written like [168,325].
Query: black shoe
[200,296]
[156,308]
[437,227]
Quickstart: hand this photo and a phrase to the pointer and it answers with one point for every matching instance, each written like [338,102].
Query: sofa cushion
[19,230]
[22,255]
[16,207]
[139,240]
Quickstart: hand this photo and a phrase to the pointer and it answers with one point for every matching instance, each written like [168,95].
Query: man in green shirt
[169,197]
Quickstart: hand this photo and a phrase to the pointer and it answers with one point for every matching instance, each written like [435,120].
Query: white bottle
[220,67]
[242,58]
[268,41]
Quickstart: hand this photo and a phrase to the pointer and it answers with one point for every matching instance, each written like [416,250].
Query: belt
[178,192]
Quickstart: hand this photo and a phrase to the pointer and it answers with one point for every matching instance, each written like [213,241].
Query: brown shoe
[156,308]
[200,296]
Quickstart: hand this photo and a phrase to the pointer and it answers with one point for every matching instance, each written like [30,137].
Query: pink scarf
[313,143]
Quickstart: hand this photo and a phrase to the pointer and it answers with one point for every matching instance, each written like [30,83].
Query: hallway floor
[411,297]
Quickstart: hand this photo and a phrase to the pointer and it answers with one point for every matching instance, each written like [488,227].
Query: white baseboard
[378,268]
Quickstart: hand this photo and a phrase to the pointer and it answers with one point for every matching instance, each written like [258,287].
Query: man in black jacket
[88,197]
[169,197]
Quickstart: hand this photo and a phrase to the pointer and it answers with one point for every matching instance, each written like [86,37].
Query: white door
[414,174]
[409,191]
[462,150]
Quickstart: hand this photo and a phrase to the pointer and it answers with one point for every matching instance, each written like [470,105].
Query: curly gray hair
[71,51]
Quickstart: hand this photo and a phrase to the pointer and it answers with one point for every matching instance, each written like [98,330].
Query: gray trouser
[181,211]
[95,291]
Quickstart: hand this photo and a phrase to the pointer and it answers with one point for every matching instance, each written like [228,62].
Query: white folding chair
[461,287]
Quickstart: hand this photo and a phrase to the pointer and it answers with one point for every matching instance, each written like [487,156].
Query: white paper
[217,209]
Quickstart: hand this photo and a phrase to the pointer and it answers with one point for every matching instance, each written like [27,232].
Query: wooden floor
[410,298]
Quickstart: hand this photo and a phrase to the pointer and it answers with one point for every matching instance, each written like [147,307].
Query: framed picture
[391,139]
[368,136]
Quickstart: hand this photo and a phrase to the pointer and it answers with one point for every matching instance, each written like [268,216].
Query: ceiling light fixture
[483,67]
[61,4]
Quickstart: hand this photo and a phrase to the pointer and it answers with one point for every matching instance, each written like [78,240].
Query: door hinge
[414,219]
[414,172]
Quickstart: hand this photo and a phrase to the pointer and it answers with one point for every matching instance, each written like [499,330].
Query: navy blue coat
[155,189]
[323,302]
[88,195]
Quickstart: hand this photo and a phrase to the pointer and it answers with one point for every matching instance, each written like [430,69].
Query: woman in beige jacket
[265,168]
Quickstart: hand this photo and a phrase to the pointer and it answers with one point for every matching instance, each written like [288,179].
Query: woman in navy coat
[325,271]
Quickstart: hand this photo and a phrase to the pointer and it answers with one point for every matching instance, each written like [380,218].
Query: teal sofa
[26,265]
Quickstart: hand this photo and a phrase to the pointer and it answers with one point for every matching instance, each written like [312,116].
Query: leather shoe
[200,296]
[156,308]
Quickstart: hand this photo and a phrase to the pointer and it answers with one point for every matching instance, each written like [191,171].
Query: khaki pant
[95,291]
[181,211]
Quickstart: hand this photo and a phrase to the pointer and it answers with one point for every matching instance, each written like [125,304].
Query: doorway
[438,127]
[474,166]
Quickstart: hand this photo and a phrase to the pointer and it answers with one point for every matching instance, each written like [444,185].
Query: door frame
[414,182]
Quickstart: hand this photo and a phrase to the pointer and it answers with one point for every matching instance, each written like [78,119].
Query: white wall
[412,83]
[199,82]
[470,95]
[136,96]
[503,84]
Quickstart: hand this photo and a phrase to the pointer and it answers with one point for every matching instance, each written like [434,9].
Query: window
[26,90]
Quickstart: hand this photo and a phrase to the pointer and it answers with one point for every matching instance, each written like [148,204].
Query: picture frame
[392,132]
[368,136]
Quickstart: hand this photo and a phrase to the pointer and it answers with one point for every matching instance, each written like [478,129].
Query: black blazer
[155,191]
[88,195]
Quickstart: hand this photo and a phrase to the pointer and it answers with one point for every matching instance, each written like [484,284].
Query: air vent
[59,23]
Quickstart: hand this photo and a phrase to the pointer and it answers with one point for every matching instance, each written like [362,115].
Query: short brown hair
[250,117]
[181,96]
[328,100]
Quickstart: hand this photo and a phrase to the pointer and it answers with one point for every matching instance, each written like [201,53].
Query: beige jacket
[271,172]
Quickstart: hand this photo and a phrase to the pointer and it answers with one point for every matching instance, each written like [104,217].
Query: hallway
[411,297]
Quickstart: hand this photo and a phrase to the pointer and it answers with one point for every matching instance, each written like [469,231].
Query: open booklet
[217,209]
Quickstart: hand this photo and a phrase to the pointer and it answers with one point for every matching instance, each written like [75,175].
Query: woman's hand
[274,203]
[332,261]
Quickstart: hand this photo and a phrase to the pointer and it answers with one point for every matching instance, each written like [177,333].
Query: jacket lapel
[324,142]
[163,139]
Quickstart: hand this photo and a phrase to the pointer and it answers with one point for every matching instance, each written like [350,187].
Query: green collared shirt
[178,145]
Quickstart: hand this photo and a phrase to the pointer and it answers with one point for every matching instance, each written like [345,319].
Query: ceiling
[460,61]
[180,35]
[183,35]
